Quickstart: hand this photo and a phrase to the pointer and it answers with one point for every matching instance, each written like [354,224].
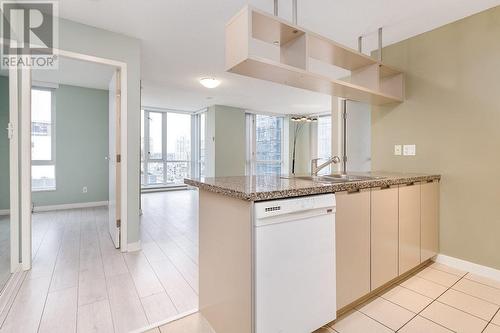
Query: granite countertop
[260,188]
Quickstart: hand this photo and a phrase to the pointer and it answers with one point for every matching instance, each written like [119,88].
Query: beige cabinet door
[429,220]
[409,227]
[384,236]
[352,246]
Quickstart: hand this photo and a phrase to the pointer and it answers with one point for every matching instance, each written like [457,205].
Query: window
[203,147]
[324,141]
[42,140]
[166,147]
[178,159]
[265,145]
[143,177]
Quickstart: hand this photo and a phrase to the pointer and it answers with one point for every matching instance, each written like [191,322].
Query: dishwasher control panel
[271,208]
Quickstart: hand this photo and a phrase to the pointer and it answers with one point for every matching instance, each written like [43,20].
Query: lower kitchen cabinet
[352,230]
[384,235]
[409,227]
[429,220]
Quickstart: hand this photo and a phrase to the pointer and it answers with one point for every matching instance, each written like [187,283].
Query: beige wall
[452,114]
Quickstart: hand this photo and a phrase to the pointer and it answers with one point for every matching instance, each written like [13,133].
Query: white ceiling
[183,40]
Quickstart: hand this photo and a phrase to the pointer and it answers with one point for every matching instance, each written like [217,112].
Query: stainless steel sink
[334,178]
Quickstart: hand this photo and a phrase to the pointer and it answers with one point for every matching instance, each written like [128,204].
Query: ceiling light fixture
[209,82]
[303,119]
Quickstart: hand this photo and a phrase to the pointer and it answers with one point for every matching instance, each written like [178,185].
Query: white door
[114,158]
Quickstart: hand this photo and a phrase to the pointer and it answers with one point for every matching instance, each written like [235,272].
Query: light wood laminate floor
[4,250]
[80,283]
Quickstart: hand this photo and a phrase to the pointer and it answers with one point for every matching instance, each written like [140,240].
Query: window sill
[44,190]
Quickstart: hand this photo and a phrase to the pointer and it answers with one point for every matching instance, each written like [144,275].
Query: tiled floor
[81,283]
[194,323]
[437,299]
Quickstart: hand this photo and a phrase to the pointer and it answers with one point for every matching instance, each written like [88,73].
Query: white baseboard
[4,212]
[468,266]
[132,247]
[70,206]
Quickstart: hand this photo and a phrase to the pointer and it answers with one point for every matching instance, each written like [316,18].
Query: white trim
[25,149]
[124,158]
[133,247]
[46,85]
[157,109]
[14,167]
[164,322]
[70,206]
[468,266]
[90,58]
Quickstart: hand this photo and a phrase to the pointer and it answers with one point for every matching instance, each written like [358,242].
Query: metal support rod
[380,44]
[294,11]
[344,136]
[360,44]
[275,7]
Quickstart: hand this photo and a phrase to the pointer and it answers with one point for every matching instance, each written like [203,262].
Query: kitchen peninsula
[385,226]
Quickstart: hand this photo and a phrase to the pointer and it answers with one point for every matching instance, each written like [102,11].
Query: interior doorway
[75,146]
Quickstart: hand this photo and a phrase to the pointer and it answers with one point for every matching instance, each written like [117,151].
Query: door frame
[26,223]
[14,168]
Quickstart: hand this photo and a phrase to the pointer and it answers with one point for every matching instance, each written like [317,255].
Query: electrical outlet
[409,150]
[397,150]
[84,189]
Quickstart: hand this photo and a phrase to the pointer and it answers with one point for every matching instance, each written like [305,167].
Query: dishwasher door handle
[289,217]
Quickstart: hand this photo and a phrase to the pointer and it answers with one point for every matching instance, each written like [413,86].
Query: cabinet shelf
[266,47]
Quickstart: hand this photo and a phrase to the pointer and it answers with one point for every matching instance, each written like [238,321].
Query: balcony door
[166,148]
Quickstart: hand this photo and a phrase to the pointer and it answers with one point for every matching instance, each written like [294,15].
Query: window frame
[164,160]
[314,140]
[52,161]
[196,137]
[251,144]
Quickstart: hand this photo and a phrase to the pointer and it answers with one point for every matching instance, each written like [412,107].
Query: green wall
[81,131]
[452,114]
[230,142]
[4,143]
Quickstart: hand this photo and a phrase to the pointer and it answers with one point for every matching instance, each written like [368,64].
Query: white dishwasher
[294,268]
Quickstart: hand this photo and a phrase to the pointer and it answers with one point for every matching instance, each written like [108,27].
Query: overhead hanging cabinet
[266,47]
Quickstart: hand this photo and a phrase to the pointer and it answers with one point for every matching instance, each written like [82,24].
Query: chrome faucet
[315,168]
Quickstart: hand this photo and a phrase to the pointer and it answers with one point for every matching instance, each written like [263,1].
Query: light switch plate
[409,150]
[397,150]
